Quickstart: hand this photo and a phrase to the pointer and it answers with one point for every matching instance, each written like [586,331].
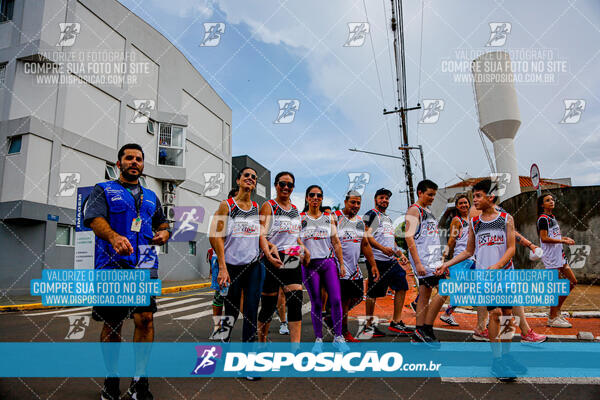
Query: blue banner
[99,287]
[452,359]
[517,287]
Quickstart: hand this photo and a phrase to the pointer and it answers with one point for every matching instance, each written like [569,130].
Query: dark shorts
[352,289]
[430,281]
[121,313]
[490,308]
[278,277]
[391,275]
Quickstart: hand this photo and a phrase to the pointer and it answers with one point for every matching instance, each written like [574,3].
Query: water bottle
[224,290]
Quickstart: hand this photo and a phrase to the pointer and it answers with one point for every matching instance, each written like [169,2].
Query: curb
[40,306]
[570,314]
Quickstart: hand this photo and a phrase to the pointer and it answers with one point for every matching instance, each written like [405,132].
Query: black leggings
[248,277]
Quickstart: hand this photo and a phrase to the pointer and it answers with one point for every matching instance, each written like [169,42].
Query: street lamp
[420,148]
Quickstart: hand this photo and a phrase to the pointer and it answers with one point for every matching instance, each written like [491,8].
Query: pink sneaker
[483,336]
[533,337]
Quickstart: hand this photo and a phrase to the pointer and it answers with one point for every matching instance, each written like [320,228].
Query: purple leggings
[323,270]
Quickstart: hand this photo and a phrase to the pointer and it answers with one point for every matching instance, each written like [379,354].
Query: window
[142,180]
[6,10]
[2,74]
[170,145]
[150,127]
[192,248]
[14,144]
[64,235]
[111,172]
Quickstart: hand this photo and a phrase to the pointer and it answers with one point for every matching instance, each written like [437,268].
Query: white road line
[176,303]
[196,315]
[56,311]
[181,309]
[549,380]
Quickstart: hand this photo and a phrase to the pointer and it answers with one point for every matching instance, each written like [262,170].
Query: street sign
[534,173]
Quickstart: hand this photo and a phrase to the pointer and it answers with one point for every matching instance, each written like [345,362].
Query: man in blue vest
[127,220]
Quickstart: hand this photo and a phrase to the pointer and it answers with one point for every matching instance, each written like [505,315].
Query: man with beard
[127,220]
[380,235]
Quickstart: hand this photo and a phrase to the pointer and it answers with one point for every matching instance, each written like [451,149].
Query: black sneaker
[377,332]
[502,371]
[513,364]
[138,390]
[111,390]
[413,306]
[400,329]
[421,336]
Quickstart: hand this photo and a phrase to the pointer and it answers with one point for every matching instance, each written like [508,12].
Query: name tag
[136,224]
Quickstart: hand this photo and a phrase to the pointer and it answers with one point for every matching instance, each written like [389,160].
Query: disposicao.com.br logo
[350,362]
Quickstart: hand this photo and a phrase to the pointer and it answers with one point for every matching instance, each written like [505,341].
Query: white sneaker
[563,318]
[284,329]
[558,323]
[318,346]
[449,319]
[340,344]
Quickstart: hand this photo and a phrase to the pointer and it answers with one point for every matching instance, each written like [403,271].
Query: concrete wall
[578,214]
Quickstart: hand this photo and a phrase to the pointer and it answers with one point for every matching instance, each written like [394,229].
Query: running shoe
[400,329]
[502,371]
[558,322]
[139,390]
[449,319]
[340,344]
[377,332]
[110,390]
[413,306]
[284,329]
[318,346]
[533,337]
[483,336]
[253,378]
[421,336]
[513,364]
[349,338]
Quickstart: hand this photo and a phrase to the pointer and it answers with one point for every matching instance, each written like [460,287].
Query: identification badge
[291,257]
[136,225]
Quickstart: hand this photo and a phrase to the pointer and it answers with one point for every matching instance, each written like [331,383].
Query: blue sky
[294,50]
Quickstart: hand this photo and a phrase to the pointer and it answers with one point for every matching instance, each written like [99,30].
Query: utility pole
[398,29]
[420,148]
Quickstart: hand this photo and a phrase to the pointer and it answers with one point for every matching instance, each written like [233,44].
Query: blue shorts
[214,267]
[462,266]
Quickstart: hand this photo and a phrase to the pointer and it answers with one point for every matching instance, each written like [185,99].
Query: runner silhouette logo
[207,359]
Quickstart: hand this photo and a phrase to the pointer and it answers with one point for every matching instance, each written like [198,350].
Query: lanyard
[138,204]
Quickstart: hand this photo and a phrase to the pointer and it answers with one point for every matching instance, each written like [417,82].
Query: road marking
[545,380]
[196,315]
[181,309]
[56,311]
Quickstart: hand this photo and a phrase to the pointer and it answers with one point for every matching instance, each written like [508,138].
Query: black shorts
[490,308]
[430,281]
[278,277]
[352,289]
[391,275]
[121,313]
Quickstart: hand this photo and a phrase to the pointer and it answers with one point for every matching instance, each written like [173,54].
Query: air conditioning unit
[169,187]
[169,198]
[169,212]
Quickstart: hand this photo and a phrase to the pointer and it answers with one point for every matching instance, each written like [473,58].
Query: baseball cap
[383,191]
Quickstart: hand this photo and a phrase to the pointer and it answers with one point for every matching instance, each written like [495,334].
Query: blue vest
[121,212]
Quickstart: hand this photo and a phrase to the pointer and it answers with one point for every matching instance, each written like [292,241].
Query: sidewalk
[28,302]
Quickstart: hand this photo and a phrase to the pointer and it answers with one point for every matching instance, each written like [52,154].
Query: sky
[290,50]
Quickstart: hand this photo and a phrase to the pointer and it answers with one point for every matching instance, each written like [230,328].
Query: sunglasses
[313,194]
[282,184]
[248,174]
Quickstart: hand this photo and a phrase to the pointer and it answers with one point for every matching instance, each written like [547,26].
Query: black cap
[383,191]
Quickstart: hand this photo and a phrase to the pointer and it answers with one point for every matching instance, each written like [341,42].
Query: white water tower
[499,116]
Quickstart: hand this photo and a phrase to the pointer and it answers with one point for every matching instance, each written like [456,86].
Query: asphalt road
[187,318]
